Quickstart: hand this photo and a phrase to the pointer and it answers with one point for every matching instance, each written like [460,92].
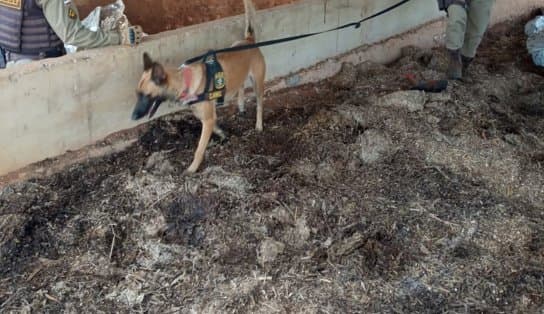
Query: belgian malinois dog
[159,83]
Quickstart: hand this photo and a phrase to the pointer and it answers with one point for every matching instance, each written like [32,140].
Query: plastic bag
[112,17]
[535,45]
[534,29]
[534,26]
[107,18]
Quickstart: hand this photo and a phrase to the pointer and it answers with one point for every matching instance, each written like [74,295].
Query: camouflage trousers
[467,25]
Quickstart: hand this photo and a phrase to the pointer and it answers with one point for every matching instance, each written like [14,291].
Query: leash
[356,25]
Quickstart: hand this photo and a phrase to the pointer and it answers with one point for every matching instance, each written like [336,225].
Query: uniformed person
[467,23]
[38,29]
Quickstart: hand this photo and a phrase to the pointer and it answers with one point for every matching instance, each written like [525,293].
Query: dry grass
[446,216]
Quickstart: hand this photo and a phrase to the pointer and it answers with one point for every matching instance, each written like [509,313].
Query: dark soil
[356,198]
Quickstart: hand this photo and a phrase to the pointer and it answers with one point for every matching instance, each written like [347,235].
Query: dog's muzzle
[146,105]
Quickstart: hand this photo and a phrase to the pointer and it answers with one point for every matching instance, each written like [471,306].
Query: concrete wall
[67,103]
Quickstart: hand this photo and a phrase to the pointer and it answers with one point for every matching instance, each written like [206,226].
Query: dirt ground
[358,197]
[156,16]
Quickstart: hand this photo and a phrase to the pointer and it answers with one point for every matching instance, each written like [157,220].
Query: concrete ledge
[64,104]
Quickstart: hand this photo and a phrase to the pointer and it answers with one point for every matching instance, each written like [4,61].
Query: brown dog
[159,83]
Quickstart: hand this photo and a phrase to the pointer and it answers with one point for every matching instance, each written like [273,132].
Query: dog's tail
[250,20]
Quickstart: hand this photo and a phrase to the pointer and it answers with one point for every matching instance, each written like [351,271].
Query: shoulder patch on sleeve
[14,4]
[72,14]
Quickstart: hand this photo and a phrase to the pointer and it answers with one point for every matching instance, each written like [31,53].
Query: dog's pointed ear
[158,74]
[148,63]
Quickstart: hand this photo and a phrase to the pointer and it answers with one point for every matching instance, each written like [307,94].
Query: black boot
[455,67]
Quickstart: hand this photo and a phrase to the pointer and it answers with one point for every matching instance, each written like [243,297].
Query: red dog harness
[214,90]
[187,78]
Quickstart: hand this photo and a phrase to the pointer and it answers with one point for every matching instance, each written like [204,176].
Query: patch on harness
[215,79]
[219,80]
[14,4]
[215,95]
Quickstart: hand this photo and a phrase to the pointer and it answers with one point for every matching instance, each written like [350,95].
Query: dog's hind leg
[258,86]
[241,103]
[207,116]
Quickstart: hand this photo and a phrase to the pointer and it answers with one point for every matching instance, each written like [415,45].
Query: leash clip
[210,57]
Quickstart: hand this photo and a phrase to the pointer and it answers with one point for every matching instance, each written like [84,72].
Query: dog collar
[187,78]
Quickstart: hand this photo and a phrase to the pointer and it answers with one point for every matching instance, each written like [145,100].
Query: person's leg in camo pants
[464,33]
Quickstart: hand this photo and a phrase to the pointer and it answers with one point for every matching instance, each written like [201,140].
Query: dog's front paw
[217,141]
[190,171]
[243,113]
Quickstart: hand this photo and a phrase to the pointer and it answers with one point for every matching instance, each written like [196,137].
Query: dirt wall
[157,16]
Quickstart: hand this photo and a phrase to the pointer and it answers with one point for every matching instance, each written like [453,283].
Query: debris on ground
[358,197]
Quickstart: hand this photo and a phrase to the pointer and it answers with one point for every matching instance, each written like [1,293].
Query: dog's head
[151,89]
